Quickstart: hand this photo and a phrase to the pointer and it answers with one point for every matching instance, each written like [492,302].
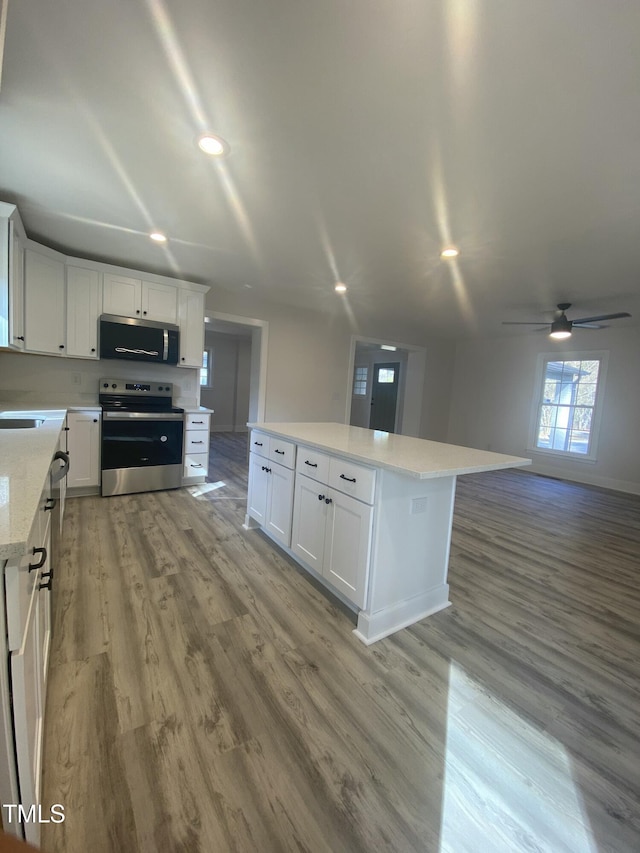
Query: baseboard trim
[587,479]
[376,626]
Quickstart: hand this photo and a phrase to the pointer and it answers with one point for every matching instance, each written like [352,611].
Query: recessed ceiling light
[340,287]
[451,252]
[158,237]
[213,145]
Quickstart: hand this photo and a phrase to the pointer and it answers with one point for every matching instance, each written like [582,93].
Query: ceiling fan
[561,327]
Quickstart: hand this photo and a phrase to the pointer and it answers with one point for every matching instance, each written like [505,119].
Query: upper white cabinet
[84,298]
[191,319]
[12,238]
[132,297]
[45,314]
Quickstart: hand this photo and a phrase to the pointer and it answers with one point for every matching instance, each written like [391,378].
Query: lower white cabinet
[332,534]
[270,498]
[196,447]
[83,442]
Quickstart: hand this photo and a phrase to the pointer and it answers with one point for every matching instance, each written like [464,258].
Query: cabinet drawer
[352,479]
[313,463]
[259,443]
[282,451]
[196,421]
[196,441]
[196,464]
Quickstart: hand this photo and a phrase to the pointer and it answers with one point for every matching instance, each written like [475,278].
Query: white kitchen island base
[369,514]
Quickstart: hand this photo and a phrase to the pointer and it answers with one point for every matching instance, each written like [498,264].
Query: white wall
[308,359]
[492,397]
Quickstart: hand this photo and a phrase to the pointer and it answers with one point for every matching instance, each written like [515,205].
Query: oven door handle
[149,416]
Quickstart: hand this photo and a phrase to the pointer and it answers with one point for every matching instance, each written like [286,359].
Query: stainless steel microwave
[138,340]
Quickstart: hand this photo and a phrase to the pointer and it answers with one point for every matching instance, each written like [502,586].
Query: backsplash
[26,378]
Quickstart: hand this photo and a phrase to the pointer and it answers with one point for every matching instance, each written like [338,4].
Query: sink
[20,423]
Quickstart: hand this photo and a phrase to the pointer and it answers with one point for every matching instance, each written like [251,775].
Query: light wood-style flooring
[204,696]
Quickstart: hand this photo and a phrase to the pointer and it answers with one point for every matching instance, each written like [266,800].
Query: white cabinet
[12,238]
[270,496]
[332,534]
[27,589]
[196,447]
[133,297]
[83,441]
[44,302]
[191,321]
[84,300]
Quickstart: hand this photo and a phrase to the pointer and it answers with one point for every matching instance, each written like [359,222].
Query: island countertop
[413,457]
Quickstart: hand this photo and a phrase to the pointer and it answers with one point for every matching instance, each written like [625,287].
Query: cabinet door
[191,318]
[83,440]
[83,309]
[16,290]
[160,302]
[280,503]
[347,545]
[121,295]
[44,304]
[27,691]
[258,486]
[309,522]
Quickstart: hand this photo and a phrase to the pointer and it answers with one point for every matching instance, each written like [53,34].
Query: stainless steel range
[142,437]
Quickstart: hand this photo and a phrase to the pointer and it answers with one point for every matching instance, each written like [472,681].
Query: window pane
[386,374]
[586,395]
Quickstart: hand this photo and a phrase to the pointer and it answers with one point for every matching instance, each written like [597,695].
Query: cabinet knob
[137,310]
[320,497]
[20,337]
[182,358]
[328,500]
[95,420]
[144,312]
[61,346]
[93,349]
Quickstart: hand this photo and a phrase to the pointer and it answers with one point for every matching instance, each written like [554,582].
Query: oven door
[141,453]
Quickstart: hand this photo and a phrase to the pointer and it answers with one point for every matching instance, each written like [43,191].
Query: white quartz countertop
[25,457]
[197,410]
[414,457]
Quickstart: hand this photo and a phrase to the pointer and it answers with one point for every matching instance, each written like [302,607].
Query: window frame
[602,356]
[209,382]
[357,381]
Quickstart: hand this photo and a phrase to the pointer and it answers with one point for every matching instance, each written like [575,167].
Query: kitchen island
[368,513]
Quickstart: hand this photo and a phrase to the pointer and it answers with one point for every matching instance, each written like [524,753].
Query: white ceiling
[364,135]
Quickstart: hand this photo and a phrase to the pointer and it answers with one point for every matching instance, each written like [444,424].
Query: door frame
[413,385]
[259,350]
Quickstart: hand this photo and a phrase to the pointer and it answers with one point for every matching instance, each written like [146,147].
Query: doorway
[384,396]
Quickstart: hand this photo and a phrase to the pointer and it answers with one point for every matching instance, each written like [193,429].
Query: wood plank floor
[204,696]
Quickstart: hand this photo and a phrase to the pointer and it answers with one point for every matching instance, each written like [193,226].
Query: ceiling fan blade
[589,326]
[516,323]
[601,317]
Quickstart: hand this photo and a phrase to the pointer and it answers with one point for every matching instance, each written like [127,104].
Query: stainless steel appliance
[142,437]
[138,340]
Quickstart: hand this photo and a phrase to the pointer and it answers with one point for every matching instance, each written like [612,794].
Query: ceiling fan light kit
[562,327]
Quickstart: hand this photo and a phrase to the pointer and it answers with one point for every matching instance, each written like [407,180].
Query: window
[206,371]
[386,374]
[360,382]
[568,404]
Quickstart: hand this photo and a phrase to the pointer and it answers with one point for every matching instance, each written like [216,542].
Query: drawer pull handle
[310,464]
[49,576]
[258,443]
[197,422]
[43,559]
[198,465]
[348,479]
[281,452]
[328,500]
[320,497]
[197,442]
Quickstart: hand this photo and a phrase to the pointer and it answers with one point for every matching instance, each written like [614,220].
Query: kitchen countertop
[25,457]
[414,457]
